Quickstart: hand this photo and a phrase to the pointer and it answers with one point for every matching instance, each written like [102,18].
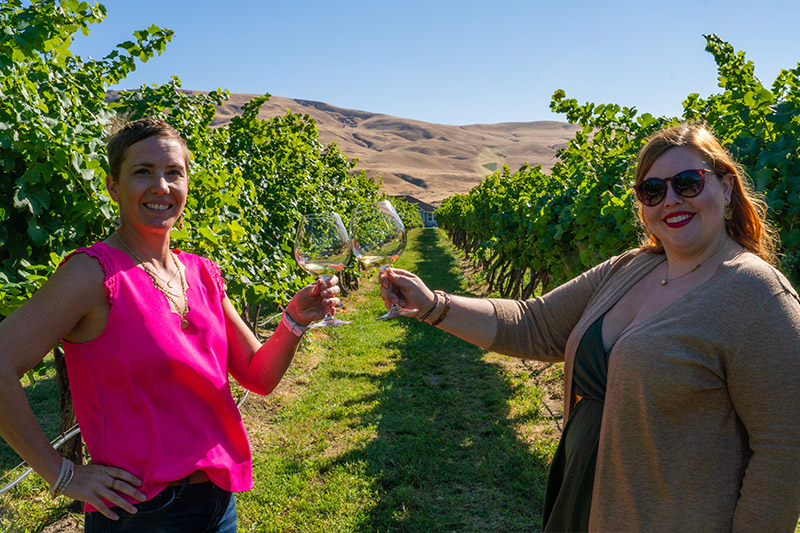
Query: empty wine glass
[322,248]
[378,237]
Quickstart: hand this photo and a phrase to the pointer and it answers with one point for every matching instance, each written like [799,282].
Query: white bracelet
[293,327]
[64,478]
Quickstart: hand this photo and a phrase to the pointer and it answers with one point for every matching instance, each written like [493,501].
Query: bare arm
[66,305]
[260,367]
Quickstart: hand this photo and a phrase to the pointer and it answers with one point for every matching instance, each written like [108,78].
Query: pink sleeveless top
[150,397]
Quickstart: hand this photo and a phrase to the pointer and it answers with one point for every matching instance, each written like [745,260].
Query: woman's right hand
[91,482]
[406,290]
[472,319]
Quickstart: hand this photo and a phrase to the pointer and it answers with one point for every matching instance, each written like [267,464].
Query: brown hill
[427,161]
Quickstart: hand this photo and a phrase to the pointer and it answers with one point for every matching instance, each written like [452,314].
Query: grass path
[397,426]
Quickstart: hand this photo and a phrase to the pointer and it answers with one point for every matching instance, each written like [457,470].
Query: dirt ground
[66,524]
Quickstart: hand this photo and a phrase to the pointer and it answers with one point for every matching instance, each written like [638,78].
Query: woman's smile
[678,219]
[158,207]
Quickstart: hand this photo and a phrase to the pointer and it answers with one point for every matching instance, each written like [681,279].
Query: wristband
[293,327]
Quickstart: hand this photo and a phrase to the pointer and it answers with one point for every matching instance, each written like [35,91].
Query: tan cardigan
[701,424]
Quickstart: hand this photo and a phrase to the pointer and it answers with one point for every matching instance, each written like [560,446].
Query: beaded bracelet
[446,309]
[435,303]
[64,478]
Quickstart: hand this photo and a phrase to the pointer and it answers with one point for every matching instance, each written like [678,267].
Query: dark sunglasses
[687,184]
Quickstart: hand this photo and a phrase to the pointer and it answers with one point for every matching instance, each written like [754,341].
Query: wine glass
[322,249]
[378,237]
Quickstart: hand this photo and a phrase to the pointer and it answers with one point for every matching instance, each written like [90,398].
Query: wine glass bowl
[378,237]
[322,248]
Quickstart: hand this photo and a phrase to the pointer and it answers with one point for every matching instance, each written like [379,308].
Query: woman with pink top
[149,338]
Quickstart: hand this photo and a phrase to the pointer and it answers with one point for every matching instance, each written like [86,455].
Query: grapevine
[531,228]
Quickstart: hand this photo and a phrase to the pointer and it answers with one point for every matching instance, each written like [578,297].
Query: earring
[180,222]
[117,222]
[727,214]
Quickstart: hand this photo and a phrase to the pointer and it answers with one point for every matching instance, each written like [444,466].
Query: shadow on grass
[446,457]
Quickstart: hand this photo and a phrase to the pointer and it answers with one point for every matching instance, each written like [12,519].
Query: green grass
[385,426]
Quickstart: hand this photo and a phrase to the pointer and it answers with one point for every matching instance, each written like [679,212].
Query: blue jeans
[202,507]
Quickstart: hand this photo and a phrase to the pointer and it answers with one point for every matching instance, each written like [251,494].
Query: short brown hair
[749,225]
[131,133]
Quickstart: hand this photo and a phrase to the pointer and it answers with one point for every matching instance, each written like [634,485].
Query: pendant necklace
[158,282]
[698,265]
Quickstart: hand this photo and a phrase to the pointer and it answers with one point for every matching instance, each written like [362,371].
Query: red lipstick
[678,219]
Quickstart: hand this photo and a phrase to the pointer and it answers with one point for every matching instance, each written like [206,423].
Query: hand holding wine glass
[378,237]
[322,248]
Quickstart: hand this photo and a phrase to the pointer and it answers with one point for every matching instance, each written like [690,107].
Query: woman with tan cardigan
[681,358]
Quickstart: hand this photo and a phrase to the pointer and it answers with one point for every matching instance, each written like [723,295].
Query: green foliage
[52,117]
[409,213]
[761,128]
[249,182]
[532,227]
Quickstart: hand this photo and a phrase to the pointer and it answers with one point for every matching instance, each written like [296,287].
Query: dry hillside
[420,159]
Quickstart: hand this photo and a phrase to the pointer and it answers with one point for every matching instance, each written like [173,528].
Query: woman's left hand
[312,302]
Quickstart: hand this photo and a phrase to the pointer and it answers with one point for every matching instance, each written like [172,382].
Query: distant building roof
[420,204]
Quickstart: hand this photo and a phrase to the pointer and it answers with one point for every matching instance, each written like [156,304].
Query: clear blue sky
[454,62]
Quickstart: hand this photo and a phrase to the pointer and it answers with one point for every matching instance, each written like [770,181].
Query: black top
[569,486]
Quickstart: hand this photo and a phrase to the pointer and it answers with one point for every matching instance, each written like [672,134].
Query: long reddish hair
[748,224]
